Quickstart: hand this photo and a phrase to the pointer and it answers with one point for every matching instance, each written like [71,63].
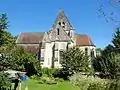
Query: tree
[73,60]
[13,56]
[108,64]
[109,61]
[101,62]
[108,49]
[116,38]
[3,21]
[3,26]
[98,51]
[19,59]
[7,41]
[24,61]
[4,81]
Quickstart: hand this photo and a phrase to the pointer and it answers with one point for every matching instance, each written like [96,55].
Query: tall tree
[19,59]
[108,49]
[116,39]
[3,21]
[3,26]
[74,60]
[108,64]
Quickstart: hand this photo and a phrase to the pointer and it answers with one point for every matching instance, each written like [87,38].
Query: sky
[39,16]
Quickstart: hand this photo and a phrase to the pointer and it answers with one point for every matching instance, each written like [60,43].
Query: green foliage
[49,72]
[109,61]
[35,77]
[46,76]
[116,38]
[3,26]
[108,49]
[90,83]
[13,56]
[5,61]
[46,79]
[4,81]
[24,61]
[3,21]
[108,64]
[73,60]
[8,39]
[19,59]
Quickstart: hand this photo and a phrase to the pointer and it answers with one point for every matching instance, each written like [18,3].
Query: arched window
[86,51]
[59,23]
[63,23]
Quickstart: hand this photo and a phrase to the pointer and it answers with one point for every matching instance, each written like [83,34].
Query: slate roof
[83,40]
[53,35]
[30,38]
[33,49]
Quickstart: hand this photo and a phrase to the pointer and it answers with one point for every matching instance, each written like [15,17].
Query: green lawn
[33,85]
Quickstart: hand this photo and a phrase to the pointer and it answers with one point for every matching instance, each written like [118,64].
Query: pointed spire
[61,17]
[61,12]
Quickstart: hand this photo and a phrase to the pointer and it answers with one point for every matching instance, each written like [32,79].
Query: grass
[33,85]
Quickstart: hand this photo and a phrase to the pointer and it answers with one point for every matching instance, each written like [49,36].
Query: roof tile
[30,37]
[83,40]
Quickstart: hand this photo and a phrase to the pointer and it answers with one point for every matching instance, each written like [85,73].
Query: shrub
[46,72]
[35,77]
[47,80]
[59,79]
[4,81]
[91,83]
[46,76]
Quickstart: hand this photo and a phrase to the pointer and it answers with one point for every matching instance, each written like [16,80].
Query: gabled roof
[30,38]
[83,40]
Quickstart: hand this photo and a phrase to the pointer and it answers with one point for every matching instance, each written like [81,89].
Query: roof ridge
[81,34]
[32,32]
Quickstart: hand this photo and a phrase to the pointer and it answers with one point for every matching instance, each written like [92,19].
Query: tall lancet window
[58,31]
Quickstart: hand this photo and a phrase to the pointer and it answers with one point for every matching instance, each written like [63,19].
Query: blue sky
[39,15]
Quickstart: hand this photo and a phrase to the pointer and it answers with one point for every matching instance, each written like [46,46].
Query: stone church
[47,45]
